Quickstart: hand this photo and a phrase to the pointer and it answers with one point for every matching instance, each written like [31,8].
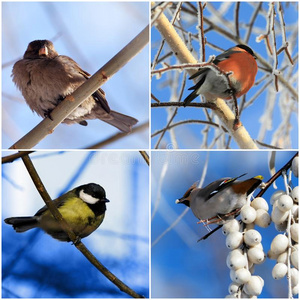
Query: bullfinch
[220,198]
[240,62]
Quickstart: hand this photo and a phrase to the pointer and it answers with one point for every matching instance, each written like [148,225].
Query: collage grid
[149,149]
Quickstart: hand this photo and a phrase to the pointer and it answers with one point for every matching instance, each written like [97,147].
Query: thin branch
[167,127]
[13,157]
[236,17]
[276,175]
[190,122]
[193,104]
[118,136]
[201,32]
[253,18]
[66,227]
[145,157]
[72,101]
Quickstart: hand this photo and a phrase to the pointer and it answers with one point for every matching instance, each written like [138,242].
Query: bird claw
[47,114]
[77,241]
[219,218]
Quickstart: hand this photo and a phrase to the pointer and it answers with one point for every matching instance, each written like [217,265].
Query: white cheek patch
[87,198]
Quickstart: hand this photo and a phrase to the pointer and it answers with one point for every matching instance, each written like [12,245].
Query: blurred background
[34,265]
[181,267]
[270,117]
[91,33]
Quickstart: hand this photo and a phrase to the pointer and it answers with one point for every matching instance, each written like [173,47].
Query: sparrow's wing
[99,95]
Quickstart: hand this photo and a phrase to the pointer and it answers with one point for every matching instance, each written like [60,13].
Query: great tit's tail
[21,224]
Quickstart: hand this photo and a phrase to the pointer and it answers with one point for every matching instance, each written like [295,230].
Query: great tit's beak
[105,200]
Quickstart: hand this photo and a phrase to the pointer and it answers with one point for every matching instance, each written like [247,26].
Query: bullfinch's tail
[195,88]
[190,98]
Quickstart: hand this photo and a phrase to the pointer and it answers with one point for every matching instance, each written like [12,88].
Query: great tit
[83,208]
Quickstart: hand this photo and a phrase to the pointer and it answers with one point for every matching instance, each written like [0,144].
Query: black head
[91,193]
[246,48]
[94,196]
[40,49]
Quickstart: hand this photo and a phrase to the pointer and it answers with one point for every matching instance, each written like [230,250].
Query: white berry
[263,219]
[233,287]
[283,258]
[279,244]
[272,255]
[234,240]
[256,255]
[294,276]
[254,286]
[295,168]
[295,232]
[242,276]
[231,226]
[294,259]
[279,271]
[260,203]
[236,260]
[248,214]
[278,216]
[285,203]
[252,237]
[276,196]
[295,194]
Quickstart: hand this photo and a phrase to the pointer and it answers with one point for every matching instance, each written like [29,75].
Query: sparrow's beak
[43,51]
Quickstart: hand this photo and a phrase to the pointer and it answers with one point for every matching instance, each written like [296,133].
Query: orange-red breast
[240,61]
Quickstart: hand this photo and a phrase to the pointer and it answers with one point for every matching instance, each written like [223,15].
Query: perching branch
[72,101]
[66,227]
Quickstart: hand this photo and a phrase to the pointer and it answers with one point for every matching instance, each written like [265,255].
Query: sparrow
[220,198]
[240,62]
[83,208]
[45,78]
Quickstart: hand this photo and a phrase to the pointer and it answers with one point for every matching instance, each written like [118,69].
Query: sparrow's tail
[122,122]
[21,224]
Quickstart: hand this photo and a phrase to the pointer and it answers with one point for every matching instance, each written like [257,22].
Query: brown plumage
[46,78]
